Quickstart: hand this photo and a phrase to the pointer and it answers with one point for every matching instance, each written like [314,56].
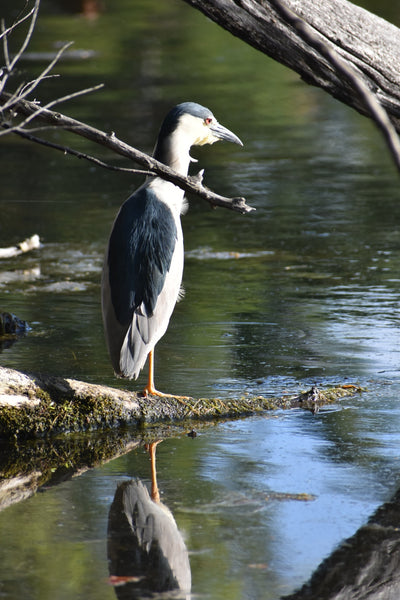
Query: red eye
[208,121]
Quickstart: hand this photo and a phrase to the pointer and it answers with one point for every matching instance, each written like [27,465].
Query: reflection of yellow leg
[150,390]
[155,494]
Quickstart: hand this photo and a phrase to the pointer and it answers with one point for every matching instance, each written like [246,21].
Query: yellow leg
[150,390]
[155,494]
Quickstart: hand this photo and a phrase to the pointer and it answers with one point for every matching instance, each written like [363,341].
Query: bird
[143,265]
[146,551]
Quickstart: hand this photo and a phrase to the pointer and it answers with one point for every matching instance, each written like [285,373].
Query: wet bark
[369,44]
[39,405]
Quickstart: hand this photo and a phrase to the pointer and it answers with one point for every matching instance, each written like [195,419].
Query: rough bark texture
[368,43]
[40,405]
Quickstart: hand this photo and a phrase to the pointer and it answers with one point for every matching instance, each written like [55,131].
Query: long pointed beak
[221,132]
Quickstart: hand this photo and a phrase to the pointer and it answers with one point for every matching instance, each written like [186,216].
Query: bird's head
[189,124]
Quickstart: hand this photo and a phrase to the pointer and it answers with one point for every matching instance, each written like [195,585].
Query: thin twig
[28,36]
[6,32]
[10,64]
[28,88]
[15,102]
[373,106]
[66,150]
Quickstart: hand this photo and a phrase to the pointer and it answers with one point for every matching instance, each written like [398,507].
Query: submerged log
[39,405]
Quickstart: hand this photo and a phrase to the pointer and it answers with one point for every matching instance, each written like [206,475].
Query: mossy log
[39,405]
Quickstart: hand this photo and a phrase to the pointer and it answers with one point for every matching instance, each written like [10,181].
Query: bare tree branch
[66,150]
[19,21]
[15,102]
[13,105]
[31,111]
[10,64]
[372,105]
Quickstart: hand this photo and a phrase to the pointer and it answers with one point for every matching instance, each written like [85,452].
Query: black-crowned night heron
[143,268]
[146,551]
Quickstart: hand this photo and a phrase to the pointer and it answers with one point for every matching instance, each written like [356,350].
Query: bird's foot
[151,391]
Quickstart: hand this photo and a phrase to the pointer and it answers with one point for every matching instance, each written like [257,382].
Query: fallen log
[40,405]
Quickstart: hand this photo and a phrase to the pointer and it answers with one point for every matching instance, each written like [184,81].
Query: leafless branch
[10,63]
[15,102]
[6,31]
[18,113]
[372,105]
[66,150]
[43,115]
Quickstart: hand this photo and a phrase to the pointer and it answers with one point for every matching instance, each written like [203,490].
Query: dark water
[304,291]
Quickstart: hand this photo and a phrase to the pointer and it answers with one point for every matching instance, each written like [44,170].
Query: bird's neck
[173,151]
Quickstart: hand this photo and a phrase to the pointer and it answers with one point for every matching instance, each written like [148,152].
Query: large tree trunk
[368,43]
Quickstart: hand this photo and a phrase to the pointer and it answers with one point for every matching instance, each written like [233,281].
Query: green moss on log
[32,406]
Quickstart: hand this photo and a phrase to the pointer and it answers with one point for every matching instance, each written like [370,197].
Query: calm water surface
[304,291]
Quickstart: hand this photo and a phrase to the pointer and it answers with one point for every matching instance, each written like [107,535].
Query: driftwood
[39,405]
[32,243]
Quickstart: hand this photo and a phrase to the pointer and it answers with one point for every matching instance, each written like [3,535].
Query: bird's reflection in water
[146,552]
